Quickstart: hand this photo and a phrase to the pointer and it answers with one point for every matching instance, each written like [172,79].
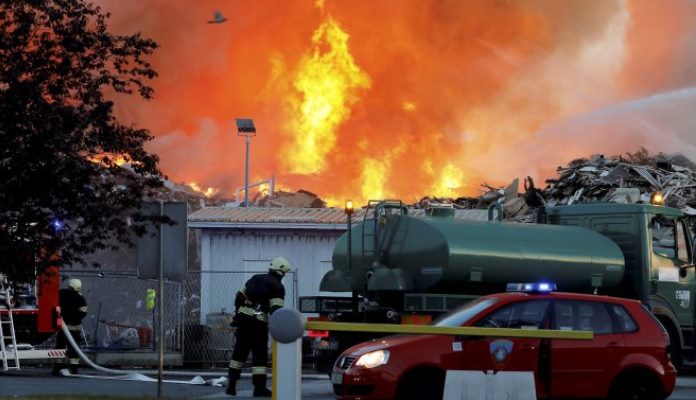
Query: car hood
[386,343]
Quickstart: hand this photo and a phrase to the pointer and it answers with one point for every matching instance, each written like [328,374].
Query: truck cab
[658,249]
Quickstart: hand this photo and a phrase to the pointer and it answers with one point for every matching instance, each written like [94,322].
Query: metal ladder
[371,226]
[7,362]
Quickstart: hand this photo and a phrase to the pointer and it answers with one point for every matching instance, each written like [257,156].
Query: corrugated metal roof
[322,218]
[271,215]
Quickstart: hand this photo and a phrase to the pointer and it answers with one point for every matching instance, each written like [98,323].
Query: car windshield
[464,313]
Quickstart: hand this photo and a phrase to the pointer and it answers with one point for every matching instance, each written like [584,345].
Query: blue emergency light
[539,287]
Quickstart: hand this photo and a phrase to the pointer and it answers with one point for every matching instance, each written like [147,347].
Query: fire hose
[137,375]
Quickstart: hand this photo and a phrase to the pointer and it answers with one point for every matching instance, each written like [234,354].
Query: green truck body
[402,264]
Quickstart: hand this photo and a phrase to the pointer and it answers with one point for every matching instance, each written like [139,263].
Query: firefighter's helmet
[281,265]
[75,284]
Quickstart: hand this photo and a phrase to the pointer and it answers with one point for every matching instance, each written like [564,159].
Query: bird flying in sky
[218,18]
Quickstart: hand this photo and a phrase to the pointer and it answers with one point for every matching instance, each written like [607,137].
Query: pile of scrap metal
[619,179]
[633,178]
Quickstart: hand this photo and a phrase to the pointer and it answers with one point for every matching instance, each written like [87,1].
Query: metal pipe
[95,332]
[160,364]
[495,206]
[350,247]
[270,182]
[246,173]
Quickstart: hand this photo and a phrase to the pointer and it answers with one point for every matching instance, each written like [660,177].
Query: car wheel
[636,386]
[422,384]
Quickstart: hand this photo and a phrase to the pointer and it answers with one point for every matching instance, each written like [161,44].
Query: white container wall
[251,251]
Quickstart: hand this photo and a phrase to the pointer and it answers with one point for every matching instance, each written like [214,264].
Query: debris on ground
[299,199]
[631,178]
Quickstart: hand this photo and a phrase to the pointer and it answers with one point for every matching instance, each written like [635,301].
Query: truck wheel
[675,349]
[636,385]
[421,384]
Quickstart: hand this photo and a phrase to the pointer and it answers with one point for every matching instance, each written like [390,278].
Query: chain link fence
[197,315]
[118,318]
[208,311]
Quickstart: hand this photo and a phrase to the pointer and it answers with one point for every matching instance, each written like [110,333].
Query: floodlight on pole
[246,128]
[349,213]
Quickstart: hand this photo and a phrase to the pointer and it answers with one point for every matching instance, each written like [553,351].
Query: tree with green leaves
[70,173]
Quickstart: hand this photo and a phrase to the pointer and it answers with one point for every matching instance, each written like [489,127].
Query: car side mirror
[683,269]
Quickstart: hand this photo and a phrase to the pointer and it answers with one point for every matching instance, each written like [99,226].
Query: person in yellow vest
[261,295]
[73,308]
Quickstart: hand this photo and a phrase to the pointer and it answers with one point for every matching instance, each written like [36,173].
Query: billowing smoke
[401,99]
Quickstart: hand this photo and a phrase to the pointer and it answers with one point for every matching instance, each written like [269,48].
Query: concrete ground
[39,381]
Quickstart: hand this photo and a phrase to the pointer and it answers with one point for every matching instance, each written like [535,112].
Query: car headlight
[373,358]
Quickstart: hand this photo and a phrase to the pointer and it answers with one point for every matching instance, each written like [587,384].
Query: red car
[627,359]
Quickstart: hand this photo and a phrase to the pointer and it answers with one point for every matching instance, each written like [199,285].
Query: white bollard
[286,327]
[478,385]
[288,368]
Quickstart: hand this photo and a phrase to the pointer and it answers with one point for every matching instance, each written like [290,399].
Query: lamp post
[246,128]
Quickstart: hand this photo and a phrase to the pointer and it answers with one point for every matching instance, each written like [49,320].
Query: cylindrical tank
[443,255]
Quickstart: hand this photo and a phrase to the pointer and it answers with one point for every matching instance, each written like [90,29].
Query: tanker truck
[406,269]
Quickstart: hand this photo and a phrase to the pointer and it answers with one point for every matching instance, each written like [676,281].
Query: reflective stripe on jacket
[252,312]
[262,294]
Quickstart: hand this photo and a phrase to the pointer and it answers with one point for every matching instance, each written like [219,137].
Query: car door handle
[528,347]
[614,345]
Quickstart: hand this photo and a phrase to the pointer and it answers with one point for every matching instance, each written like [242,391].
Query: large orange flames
[326,81]
[408,98]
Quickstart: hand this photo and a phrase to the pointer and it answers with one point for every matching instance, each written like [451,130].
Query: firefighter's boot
[232,377]
[74,366]
[56,369]
[260,389]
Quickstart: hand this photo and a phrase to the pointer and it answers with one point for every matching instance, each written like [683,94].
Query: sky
[401,99]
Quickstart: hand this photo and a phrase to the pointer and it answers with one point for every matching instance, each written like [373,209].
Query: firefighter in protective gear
[261,295]
[73,308]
